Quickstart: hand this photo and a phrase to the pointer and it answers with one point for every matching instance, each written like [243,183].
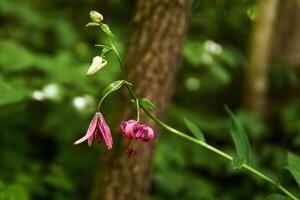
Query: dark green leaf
[294,166]
[106,29]
[277,197]
[240,138]
[92,24]
[113,87]
[147,104]
[194,129]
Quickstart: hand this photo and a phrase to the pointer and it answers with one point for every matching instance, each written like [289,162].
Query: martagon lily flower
[131,129]
[98,130]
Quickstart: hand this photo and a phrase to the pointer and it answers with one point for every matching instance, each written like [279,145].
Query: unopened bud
[98,63]
[96,16]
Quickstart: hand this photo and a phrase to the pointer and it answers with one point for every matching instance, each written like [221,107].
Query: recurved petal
[144,133]
[130,129]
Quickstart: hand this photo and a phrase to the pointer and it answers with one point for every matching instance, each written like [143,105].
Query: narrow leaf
[105,50]
[294,166]
[147,104]
[113,87]
[194,129]
[276,197]
[106,29]
[240,139]
[127,83]
[92,24]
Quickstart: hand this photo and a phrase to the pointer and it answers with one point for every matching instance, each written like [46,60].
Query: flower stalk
[198,142]
[133,130]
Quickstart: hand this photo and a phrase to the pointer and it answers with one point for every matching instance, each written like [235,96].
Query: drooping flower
[97,64]
[131,129]
[98,130]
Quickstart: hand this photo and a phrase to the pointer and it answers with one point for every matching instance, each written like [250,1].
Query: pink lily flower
[98,130]
[131,129]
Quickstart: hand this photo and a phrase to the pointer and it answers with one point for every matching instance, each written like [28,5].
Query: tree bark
[256,78]
[286,45]
[159,28]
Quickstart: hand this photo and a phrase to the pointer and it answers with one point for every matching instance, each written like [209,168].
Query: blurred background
[46,101]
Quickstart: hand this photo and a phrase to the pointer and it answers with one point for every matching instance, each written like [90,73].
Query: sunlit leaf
[194,129]
[147,104]
[294,166]
[106,29]
[113,87]
[240,138]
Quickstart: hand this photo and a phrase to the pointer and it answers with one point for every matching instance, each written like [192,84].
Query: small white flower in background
[51,91]
[96,16]
[98,63]
[83,102]
[79,102]
[212,47]
[38,95]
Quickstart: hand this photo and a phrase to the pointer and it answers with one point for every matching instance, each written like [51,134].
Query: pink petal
[91,129]
[130,129]
[105,132]
[145,133]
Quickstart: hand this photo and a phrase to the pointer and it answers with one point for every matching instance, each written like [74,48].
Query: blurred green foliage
[46,102]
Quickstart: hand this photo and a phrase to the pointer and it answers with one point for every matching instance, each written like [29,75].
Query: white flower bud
[96,16]
[98,63]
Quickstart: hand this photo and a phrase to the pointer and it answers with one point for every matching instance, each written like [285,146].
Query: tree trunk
[256,72]
[286,45]
[159,28]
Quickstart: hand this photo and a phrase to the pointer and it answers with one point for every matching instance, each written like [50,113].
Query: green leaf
[147,104]
[294,166]
[128,83]
[194,129]
[9,95]
[106,29]
[92,24]
[15,191]
[105,50]
[113,87]
[276,197]
[240,138]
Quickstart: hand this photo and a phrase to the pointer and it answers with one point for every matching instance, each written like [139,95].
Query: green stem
[137,109]
[220,153]
[198,142]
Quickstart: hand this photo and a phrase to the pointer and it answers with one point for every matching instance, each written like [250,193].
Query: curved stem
[220,153]
[198,142]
